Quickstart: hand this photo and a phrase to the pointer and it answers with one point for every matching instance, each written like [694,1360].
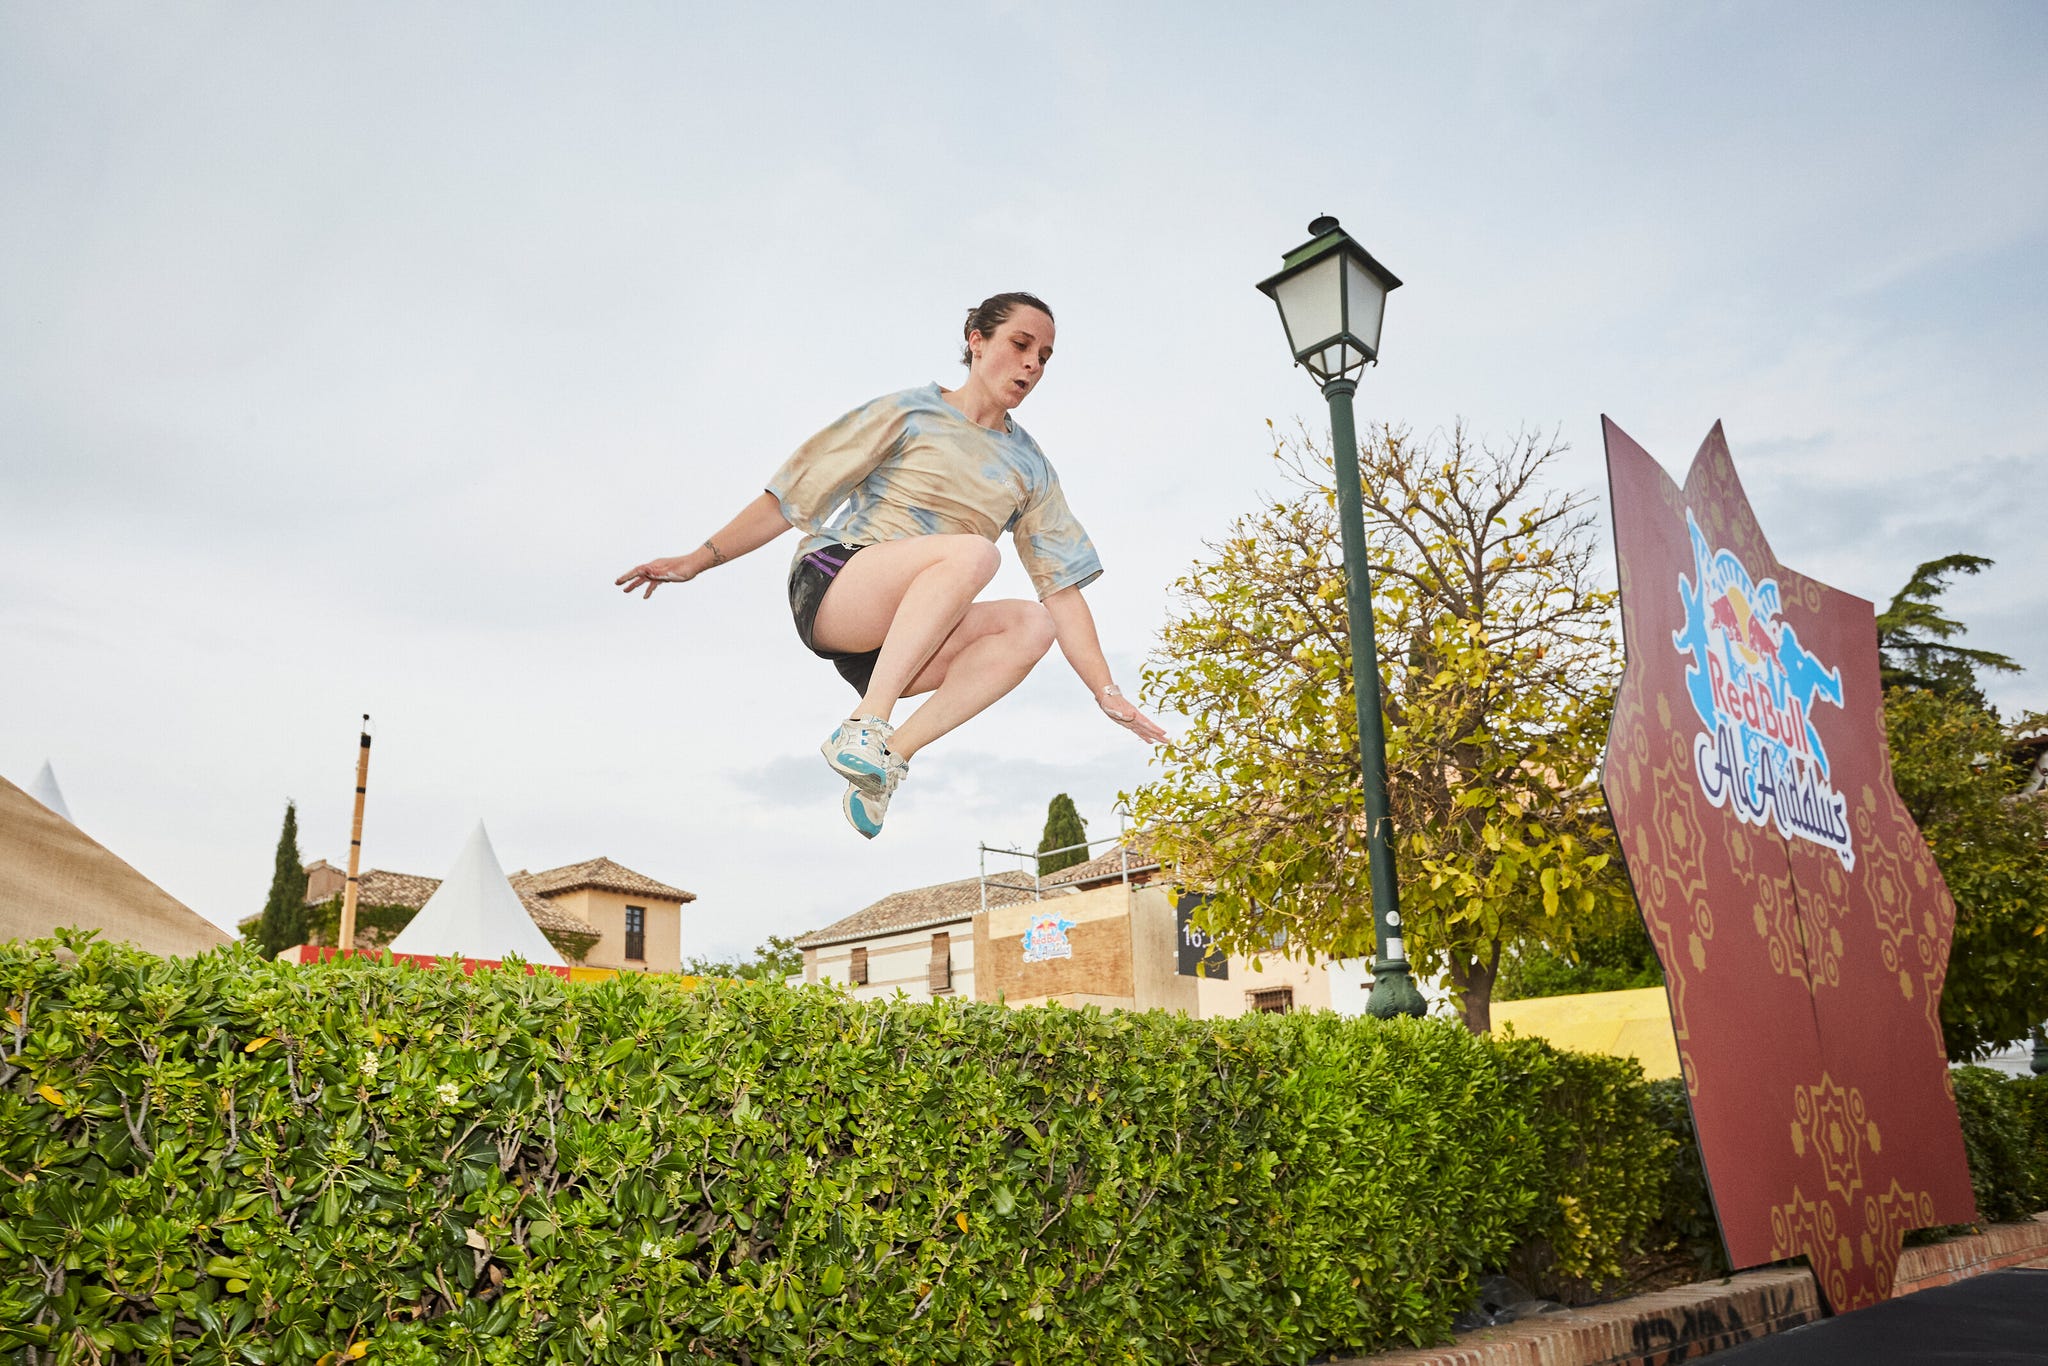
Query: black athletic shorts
[808,582]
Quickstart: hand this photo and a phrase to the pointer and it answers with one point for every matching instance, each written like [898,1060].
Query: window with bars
[1276,1000]
[636,933]
[857,970]
[941,979]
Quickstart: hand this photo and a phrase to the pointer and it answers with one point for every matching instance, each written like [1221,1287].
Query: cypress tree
[1063,826]
[284,914]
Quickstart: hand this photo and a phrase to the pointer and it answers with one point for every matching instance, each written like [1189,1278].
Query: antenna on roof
[345,937]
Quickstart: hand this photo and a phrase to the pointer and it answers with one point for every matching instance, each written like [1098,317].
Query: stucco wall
[1156,931]
[1123,944]
[1232,996]
[897,962]
[606,912]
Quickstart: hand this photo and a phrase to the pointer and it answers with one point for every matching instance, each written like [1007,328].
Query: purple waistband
[825,563]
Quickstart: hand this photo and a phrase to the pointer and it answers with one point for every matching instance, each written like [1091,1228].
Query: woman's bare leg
[995,645]
[914,600]
[903,597]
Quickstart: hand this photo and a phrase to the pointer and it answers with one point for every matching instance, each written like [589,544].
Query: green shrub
[1605,1165]
[223,1159]
[2031,1093]
[1998,1137]
[1685,1220]
[1621,961]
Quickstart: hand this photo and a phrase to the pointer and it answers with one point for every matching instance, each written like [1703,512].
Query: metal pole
[345,937]
[1393,989]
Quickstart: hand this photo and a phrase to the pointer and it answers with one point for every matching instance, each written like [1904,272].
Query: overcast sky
[348,353]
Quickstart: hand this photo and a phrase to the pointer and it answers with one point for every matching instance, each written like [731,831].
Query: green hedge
[2005,1135]
[1685,1216]
[222,1159]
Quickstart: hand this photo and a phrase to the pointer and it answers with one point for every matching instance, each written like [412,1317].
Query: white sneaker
[865,810]
[858,751]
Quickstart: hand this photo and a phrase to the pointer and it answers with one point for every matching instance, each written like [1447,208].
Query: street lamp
[1332,296]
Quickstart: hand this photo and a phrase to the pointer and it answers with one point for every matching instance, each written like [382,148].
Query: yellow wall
[606,912]
[1627,1024]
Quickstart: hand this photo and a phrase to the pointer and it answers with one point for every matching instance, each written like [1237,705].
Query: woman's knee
[1032,626]
[971,556]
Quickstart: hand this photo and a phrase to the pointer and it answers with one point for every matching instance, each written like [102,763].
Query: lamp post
[1332,296]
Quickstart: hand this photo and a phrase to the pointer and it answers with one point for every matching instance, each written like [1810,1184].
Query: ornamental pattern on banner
[1802,924]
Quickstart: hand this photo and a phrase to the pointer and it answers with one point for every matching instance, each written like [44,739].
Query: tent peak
[45,790]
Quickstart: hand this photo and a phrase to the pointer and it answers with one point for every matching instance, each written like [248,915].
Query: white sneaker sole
[862,774]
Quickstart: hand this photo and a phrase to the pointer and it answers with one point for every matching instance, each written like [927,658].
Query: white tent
[45,790]
[476,914]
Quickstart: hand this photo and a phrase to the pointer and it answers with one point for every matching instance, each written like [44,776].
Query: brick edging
[1996,1248]
[1668,1326]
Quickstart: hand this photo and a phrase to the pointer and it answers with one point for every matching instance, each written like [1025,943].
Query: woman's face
[1011,363]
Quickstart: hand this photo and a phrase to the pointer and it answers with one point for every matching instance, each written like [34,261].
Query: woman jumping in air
[885,590]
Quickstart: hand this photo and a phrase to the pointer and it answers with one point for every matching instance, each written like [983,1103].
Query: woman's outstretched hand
[676,569]
[1125,713]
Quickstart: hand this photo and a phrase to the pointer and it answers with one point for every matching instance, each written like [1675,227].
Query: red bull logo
[1755,686]
[1046,937]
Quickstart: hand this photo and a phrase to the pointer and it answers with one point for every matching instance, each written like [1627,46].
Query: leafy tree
[1914,635]
[1498,663]
[1951,764]
[1948,762]
[772,961]
[1620,961]
[1063,828]
[284,913]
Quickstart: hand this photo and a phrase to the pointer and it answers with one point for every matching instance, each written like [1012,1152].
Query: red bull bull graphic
[1754,687]
[1803,926]
[1046,937]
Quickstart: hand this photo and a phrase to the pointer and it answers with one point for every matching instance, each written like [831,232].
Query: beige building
[2029,749]
[639,921]
[1108,933]
[598,913]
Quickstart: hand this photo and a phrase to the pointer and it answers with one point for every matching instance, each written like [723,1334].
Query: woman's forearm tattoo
[718,557]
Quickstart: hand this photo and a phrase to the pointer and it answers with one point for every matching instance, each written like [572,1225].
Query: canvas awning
[53,874]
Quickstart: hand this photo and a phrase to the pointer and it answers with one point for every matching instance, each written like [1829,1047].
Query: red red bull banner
[1803,926]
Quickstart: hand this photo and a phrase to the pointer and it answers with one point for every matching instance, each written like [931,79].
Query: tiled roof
[941,904]
[377,887]
[552,918]
[1109,866]
[604,875]
[380,888]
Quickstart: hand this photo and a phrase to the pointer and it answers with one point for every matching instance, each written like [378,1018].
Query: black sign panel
[1198,956]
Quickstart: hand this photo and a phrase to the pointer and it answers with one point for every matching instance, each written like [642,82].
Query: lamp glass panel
[1338,358]
[1311,303]
[1367,301]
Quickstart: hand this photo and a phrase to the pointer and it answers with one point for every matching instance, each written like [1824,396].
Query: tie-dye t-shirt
[911,464]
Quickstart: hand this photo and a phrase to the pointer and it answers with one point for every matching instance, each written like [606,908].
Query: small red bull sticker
[1046,937]
[1755,687]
